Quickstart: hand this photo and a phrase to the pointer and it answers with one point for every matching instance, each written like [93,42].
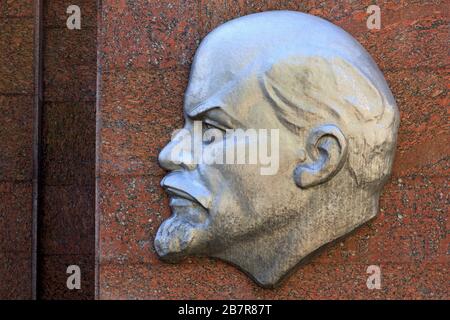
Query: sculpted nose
[176,155]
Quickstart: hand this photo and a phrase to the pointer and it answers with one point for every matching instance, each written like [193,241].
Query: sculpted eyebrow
[201,109]
[215,113]
[221,118]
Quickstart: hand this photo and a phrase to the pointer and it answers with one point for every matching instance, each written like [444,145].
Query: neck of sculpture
[271,256]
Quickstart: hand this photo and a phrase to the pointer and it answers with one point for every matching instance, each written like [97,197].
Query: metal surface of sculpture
[336,122]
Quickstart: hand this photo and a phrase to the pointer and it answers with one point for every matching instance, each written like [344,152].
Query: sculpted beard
[185,232]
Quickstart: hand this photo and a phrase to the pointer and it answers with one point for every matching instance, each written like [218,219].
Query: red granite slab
[67,220]
[16,127]
[15,217]
[69,143]
[145,53]
[141,34]
[18,9]
[203,279]
[53,277]
[16,132]
[15,275]
[16,52]
[56,15]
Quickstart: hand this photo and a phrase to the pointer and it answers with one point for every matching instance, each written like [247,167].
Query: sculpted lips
[179,185]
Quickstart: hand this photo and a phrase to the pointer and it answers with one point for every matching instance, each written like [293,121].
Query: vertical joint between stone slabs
[37,139]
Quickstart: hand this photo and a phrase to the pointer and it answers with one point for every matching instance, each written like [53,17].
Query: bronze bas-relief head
[336,122]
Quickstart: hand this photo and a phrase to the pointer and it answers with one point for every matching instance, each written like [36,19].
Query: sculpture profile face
[334,122]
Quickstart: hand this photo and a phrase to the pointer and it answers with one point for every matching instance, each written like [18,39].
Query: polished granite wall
[16,148]
[145,51]
[65,217]
[66,220]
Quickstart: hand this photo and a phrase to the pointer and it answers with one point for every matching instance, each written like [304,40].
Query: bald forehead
[218,62]
[252,43]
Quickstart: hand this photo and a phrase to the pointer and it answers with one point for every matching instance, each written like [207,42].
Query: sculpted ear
[327,148]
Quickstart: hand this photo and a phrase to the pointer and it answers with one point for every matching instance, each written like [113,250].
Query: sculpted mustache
[178,185]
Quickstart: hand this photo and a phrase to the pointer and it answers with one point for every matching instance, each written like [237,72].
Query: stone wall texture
[16,148]
[66,224]
[65,219]
[146,48]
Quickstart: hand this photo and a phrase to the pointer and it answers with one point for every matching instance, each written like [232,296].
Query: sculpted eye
[212,132]
[208,126]
[211,124]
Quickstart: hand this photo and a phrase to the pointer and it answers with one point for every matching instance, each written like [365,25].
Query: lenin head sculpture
[336,126]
